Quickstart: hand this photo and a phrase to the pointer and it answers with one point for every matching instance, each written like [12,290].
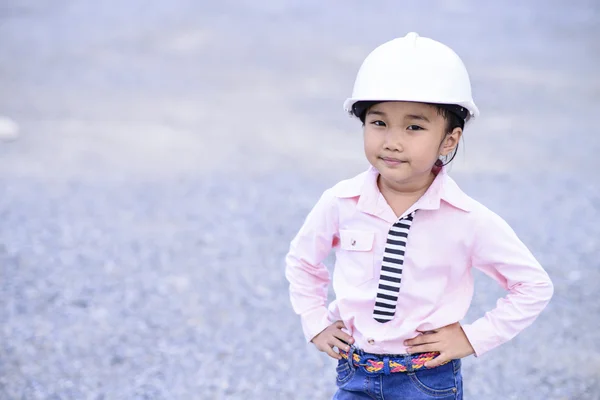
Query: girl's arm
[499,253]
[308,276]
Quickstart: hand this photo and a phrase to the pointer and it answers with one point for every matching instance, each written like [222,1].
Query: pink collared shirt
[451,234]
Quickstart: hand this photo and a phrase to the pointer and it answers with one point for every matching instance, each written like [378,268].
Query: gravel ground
[169,152]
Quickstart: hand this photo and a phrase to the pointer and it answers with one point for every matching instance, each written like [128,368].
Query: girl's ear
[451,141]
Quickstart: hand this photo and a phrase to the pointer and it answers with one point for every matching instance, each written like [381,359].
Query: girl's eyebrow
[375,112]
[420,117]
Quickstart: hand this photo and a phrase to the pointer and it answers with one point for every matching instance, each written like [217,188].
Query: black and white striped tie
[391,270]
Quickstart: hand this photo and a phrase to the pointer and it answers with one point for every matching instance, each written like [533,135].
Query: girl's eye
[378,123]
[414,128]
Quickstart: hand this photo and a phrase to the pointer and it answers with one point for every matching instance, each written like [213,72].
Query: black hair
[449,112]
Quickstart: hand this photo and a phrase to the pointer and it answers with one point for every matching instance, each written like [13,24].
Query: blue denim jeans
[443,382]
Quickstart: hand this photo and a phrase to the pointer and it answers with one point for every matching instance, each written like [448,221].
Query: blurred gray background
[169,151]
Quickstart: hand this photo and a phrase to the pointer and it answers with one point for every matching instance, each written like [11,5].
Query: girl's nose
[393,142]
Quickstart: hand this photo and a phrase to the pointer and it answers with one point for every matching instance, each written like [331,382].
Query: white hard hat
[414,68]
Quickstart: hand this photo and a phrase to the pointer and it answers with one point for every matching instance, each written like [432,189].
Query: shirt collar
[372,201]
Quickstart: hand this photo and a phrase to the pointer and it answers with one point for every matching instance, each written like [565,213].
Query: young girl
[406,240]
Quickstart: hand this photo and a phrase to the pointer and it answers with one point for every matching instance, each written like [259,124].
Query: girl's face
[403,140]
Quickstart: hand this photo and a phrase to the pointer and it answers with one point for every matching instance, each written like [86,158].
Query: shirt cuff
[314,322]
[481,336]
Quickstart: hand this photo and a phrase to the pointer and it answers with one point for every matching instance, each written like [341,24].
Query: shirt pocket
[355,256]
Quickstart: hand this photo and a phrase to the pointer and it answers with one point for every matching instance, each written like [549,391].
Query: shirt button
[371,341]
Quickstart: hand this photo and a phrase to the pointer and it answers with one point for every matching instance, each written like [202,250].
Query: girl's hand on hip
[333,336]
[450,341]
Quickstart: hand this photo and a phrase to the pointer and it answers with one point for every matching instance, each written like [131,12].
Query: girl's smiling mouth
[390,161]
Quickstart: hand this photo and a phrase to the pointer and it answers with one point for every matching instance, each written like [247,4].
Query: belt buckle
[364,363]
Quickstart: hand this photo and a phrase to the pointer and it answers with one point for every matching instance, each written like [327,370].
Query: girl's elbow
[546,290]
[550,289]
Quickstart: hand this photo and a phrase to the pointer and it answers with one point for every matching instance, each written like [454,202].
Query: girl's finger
[332,353]
[421,340]
[344,337]
[340,345]
[340,325]
[423,348]
[436,362]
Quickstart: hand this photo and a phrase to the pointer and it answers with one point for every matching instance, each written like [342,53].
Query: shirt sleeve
[499,253]
[305,271]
